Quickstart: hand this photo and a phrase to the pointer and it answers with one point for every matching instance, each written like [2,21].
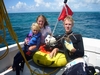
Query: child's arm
[32,47]
[29,52]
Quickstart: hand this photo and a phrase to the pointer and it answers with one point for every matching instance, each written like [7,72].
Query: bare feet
[11,68]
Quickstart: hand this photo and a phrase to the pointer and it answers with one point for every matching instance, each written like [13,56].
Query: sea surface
[85,23]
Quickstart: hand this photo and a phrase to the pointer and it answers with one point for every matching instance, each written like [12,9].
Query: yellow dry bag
[43,59]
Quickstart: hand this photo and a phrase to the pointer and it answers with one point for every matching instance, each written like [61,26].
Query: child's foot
[13,68]
[10,68]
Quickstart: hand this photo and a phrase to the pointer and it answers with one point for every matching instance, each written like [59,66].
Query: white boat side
[91,46]
[92,50]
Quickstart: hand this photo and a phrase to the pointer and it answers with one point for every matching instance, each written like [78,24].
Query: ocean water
[86,23]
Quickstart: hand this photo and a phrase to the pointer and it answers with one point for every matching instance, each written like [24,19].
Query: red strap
[42,49]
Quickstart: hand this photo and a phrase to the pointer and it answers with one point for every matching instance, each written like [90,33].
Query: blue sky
[50,5]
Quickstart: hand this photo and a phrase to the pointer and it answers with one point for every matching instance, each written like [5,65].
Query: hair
[69,18]
[35,26]
[46,22]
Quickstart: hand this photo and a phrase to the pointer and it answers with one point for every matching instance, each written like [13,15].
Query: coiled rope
[2,29]
[5,24]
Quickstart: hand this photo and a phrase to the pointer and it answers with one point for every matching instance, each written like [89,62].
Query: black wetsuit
[77,43]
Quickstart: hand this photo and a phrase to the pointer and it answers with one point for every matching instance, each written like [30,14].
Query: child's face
[35,31]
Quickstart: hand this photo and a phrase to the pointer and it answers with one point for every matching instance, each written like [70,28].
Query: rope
[7,50]
[2,37]
[4,19]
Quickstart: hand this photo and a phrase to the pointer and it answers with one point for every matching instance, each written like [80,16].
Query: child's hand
[26,41]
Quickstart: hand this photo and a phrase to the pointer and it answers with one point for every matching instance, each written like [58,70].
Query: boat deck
[10,72]
[42,70]
[37,69]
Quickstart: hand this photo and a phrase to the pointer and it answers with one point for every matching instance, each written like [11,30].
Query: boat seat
[42,70]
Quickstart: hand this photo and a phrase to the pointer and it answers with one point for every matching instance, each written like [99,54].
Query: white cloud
[84,5]
[50,5]
[92,1]
[21,7]
[37,5]
[12,7]
[54,5]
[47,4]
[77,6]
[38,1]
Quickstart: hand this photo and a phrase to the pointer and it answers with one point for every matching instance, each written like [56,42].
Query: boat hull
[92,53]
